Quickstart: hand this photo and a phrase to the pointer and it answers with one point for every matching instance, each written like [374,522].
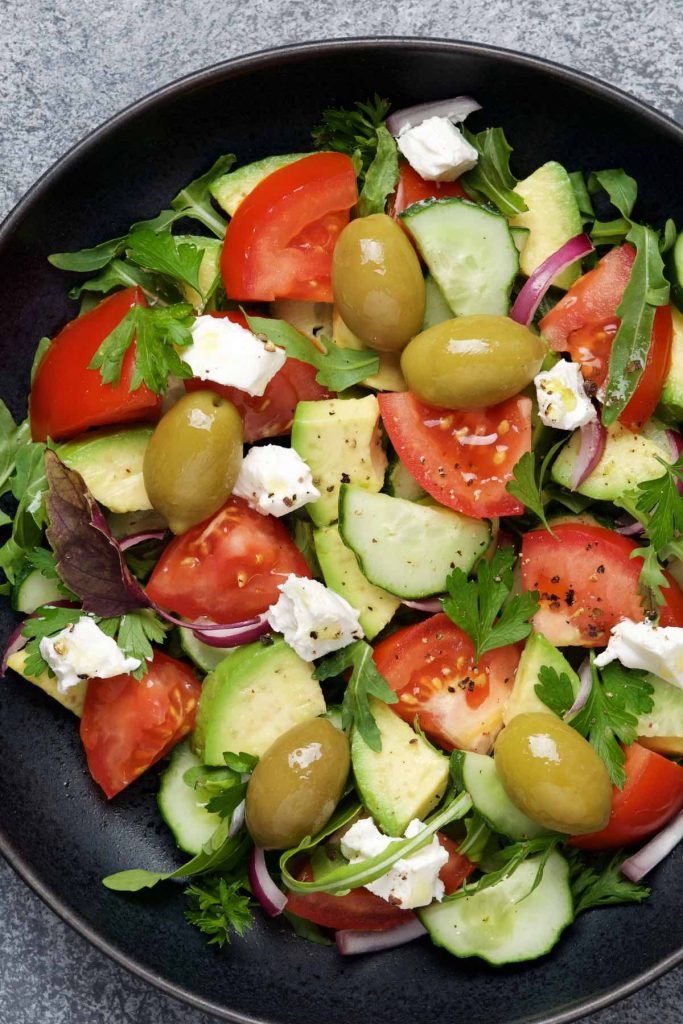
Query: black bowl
[55,827]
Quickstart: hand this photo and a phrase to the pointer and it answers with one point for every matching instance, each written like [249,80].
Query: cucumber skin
[34,591]
[492,802]
[190,836]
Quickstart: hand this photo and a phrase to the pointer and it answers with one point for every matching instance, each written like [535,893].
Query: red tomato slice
[433,445]
[431,667]
[652,796]
[360,909]
[227,568]
[68,398]
[128,725]
[270,415]
[411,188]
[279,243]
[593,299]
[588,582]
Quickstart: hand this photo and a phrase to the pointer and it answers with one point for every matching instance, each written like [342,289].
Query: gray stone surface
[65,66]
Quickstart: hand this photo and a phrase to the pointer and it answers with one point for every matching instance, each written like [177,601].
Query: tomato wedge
[436,446]
[227,568]
[67,397]
[270,415]
[652,796]
[587,581]
[279,243]
[128,725]
[360,909]
[411,188]
[431,667]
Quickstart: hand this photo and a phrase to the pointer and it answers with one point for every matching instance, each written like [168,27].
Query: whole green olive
[553,774]
[193,459]
[377,283]
[472,361]
[297,784]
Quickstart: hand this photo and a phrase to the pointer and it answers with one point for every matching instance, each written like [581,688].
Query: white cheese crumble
[437,150]
[313,619]
[275,480]
[82,651]
[412,881]
[228,353]
[642,645]
[562,399]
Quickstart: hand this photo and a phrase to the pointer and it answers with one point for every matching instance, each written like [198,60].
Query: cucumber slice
[33,592]
[481,781]
[407,548]
[469,251]
[520,236]
[506,923]
[436,308]
[400,484]
[202,655]
[191,824]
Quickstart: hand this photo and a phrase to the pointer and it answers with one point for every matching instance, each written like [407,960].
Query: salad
[352,499]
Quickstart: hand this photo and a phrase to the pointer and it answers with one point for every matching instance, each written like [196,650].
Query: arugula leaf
[647,289]
[621,188]
[474,605]
[166,255]
[13,436]
[365,682]
[555,690]
[600,883]
[220,907]
[353,131]
[307,930]
[122,274]
[381,176]
[194,200]
[338,368]
[26,481]
[477,836]
[157,331]
[527,483]
[506,861]
[492,178]
[582,196]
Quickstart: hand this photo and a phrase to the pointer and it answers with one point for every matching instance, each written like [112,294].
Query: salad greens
[365,682]
[492,178]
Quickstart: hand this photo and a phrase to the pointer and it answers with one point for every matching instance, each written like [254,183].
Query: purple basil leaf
[88,558]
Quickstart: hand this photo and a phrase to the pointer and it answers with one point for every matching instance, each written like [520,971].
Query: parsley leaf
[381,176]
[157,331]
[647,288]
[45,562]
[365,682]
[220,907]
[600,883]
[555,690]
[26,481]
[338,368]
[137,631]
[492,178]
[651,579]
[166,255]
[13,436]
[662,505]
[353,131]
[527,483]
[474,605]
[46,622]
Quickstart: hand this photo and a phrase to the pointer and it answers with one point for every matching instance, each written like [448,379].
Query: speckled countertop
[65,66]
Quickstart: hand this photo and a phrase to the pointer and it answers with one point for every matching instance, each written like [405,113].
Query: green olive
[472,361]
[553,774]
[193,459]
[297,784]
[377,283]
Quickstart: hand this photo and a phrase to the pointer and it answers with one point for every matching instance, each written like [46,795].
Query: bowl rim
[241,64]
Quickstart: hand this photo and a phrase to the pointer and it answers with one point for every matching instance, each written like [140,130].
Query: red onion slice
[234,635]
[586,683]
[430,604]
[633,529]
[456,109]
[237,820]
[16,642]
[139,538]
[350,943]
[593,438]
[650,855]
[272,899]
[527,302]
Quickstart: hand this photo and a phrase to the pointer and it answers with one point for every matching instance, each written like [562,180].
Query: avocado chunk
[552,218]
[662,728]
[628,459]
[389,376]
[72,699]
[342,574]
[110,462]
[209,270]
[311,318]
[341,441]
[406,779]
[672,392]
[537,652]
[230,189]
[254,695]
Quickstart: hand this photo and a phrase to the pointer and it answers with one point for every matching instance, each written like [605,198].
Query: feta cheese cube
[82,651]
[642,645]
[437,150]
[313,620]
[412,881]
[275,480]
[562,399]
[228,353]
